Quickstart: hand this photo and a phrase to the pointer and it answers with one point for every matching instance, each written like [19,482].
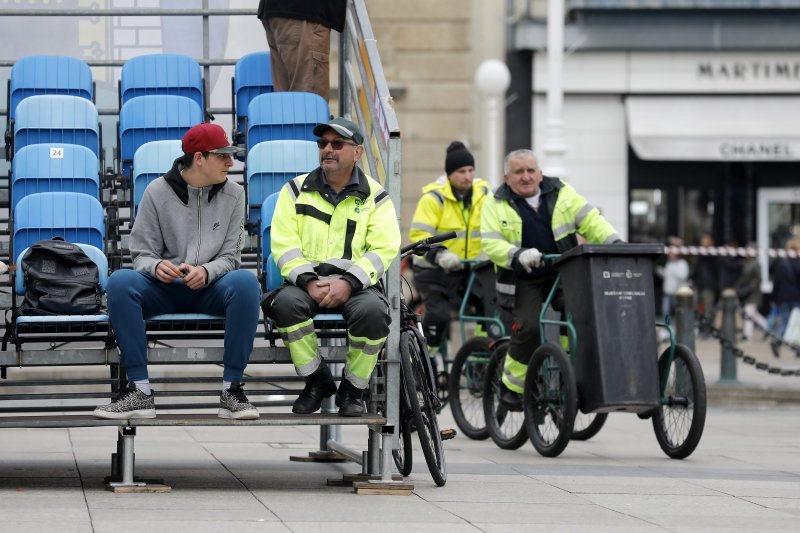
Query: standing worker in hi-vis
[334,233]
[528,216]
[451,203]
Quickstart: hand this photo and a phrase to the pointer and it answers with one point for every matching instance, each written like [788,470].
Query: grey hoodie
[184,224]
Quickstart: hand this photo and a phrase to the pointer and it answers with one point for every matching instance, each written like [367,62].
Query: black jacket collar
[181,188]
[315,183]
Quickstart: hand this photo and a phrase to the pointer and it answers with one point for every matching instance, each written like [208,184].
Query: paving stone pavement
[744,476]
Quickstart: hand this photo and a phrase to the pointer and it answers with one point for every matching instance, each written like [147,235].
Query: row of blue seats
[163,75]
[44,168]
[148,74]
[63,119]
[79,218]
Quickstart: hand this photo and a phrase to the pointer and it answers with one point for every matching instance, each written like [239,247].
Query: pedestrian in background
[299,38]
[706,280]
[675,274]
[785,292]
[748,289]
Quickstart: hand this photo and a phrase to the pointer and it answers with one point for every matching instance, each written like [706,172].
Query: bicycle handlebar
[426,244]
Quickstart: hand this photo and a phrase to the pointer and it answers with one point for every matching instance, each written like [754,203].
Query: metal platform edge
[194,419]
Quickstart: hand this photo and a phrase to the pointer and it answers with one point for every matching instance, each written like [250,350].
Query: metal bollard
[684,317]
[727,371]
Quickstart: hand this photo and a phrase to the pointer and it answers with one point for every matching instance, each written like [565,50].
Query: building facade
[680,117]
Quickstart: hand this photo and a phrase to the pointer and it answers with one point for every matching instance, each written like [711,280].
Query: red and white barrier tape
[730,251]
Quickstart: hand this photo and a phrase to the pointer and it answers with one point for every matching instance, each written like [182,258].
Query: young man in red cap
[186,246]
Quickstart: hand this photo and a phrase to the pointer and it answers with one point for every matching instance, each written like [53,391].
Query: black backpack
[60,279]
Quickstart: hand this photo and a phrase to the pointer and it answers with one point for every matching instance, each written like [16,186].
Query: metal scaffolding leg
[123,464]
[387,484]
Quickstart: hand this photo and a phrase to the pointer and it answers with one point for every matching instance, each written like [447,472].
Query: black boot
[348,399]
[319,385]
[509,399]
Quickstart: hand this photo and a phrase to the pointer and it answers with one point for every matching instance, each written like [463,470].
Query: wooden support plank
[139,489]
[320,457]
[384,489]
[347,480]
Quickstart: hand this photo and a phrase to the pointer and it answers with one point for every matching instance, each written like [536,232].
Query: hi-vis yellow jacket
[359,237]
[439,211]
[501,228]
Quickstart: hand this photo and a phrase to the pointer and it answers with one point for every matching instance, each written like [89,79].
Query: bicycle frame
[463,317]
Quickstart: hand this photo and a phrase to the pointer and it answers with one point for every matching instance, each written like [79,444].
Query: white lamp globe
[492,77]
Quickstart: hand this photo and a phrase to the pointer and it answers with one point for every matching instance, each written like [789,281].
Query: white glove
[530,259]
[3,268]
[448,261]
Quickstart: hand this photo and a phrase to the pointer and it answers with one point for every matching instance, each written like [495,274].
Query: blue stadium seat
[47,74]
[150,74]
[271,276]
[99,259]
[276,116]
[57,119]
[252,76]
[47,168]
[271,164]
[150,161]
[75,216]
[154,118]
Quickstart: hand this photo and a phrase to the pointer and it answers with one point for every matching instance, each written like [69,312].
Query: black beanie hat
[457,156]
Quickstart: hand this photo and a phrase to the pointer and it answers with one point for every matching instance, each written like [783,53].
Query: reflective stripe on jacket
[501,228]
[359,236]
[439,211]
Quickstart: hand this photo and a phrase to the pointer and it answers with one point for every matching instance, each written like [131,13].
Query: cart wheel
[587,426]
[466,387]
[679,422]
[506,428]
[551,400]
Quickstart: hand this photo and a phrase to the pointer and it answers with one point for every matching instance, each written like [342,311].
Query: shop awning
[714,128]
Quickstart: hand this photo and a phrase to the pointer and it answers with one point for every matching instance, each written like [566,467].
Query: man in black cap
[451,203]
[334,234]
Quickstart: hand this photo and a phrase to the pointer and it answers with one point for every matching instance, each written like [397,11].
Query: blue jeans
[134,296]
[782,318]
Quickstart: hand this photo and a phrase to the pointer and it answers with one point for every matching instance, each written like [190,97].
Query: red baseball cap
[207,137]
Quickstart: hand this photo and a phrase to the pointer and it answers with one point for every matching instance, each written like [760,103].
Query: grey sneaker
[130,402]
[234,404]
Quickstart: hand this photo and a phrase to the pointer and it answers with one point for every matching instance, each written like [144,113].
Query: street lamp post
[554,146]
[492,79]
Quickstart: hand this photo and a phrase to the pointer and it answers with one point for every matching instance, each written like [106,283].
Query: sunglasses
[222,156]
[336,144]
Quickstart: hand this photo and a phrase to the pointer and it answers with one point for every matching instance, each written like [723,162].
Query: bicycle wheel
[679,422]
[466,387]
[506,428]
[403,457]
[551,400]
[587,426]
[417,382]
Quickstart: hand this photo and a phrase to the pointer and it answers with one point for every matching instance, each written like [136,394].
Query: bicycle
[468,369]
[419,402]
[441,359]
